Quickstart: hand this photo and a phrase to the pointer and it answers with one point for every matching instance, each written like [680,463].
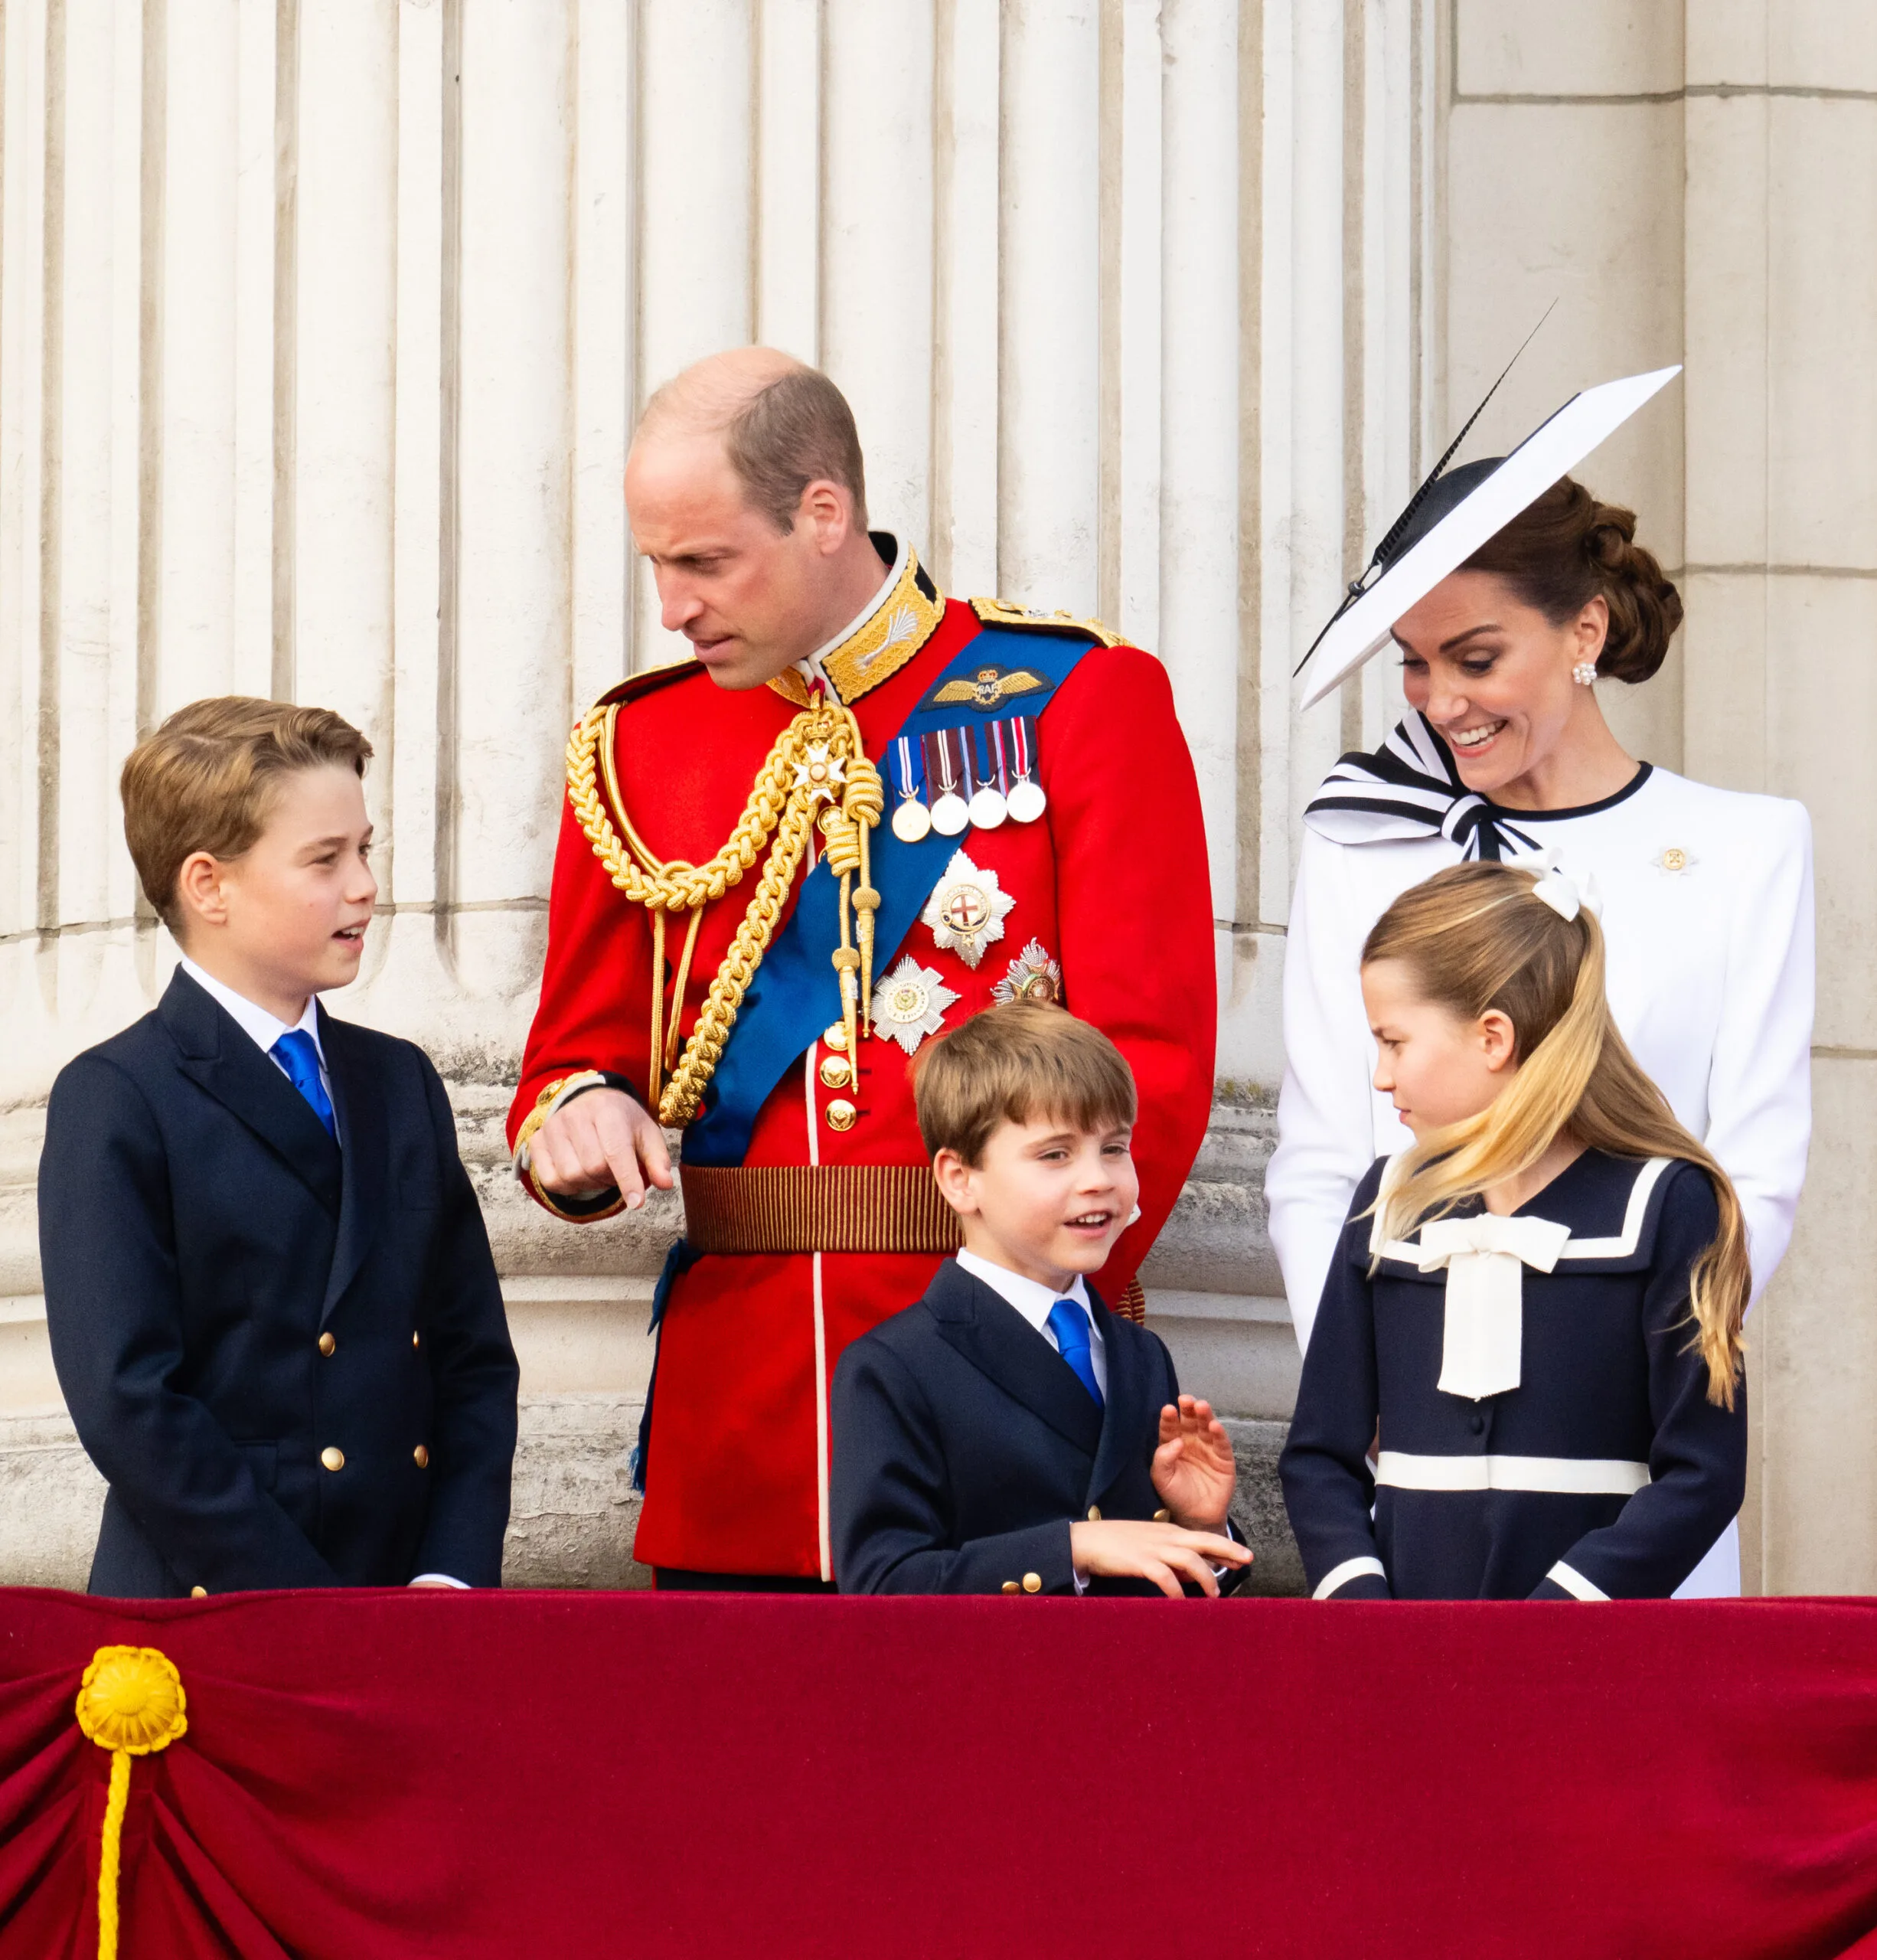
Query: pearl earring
[1584,673]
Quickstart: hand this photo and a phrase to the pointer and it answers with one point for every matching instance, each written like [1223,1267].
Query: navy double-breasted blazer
[288,1357]
[964,1446]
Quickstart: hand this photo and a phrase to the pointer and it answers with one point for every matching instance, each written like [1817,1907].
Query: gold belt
[816,1208]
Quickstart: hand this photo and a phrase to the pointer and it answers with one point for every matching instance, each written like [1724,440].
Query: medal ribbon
[940,752]
[906,771]
[970,782]
[994,742]
[1023,743]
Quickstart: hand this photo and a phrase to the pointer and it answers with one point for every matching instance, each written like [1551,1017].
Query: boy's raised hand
[597,1140]
[1166,1553]
[1193,1469]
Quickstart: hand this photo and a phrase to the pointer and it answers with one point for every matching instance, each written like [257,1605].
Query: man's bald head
[783,425]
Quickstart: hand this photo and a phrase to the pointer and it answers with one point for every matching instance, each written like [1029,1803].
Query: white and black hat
[1454,513]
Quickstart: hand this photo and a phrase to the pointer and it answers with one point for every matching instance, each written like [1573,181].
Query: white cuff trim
[440,1578]
[1574,1582]
[1339,1576]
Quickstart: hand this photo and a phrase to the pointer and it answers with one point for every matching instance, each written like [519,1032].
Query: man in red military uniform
[863,812]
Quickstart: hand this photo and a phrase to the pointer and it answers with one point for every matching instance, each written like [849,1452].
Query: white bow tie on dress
[1485,1257]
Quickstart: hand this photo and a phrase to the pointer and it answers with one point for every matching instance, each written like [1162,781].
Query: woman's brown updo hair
[1558,554]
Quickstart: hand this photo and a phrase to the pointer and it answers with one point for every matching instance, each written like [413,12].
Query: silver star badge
[910,1003]
[1033,975]
[966,910]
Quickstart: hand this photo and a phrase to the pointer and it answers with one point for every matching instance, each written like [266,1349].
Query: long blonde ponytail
[1474,939]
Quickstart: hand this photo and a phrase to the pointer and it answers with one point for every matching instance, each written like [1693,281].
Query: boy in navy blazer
[1008,1434]
[270,1301]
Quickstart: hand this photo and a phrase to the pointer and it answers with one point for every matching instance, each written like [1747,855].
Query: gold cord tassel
[678,986]
[130,1702]
[654,1065]
[864,802]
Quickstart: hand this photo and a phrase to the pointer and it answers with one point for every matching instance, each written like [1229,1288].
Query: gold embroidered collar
[900,618]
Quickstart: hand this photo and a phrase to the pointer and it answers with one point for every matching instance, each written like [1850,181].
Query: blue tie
[297,1052]
[1070,1325]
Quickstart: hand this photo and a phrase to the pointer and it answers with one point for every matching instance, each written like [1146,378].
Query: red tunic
[1112,881]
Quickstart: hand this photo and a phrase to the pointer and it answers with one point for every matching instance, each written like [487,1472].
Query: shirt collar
[1029,1297]
[879,639]
[261,1027]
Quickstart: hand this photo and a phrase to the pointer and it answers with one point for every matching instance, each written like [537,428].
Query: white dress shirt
[1034,1300]
[264,1029]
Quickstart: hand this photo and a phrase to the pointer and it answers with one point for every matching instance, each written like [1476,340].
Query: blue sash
[796,992]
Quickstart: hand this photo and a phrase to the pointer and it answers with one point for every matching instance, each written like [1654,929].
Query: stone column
[1781,293]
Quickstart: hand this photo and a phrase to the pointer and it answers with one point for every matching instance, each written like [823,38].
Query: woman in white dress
[1706,893]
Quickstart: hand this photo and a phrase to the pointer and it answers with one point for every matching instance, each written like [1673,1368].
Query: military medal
[951,815]
[911,820]
[1033,975]
[1025,800]
[910,1003]
[984,801]
[966,912]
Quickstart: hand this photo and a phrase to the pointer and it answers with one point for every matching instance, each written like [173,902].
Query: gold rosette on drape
[131,1702]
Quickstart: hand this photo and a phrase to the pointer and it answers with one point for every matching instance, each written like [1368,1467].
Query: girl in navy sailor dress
[1533,1319]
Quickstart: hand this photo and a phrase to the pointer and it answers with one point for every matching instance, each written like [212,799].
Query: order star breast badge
[966,911]
[910,1003]
[1033,975]
[821,773]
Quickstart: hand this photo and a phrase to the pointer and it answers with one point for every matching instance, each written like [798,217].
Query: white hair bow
[1565,895]
[1482,1343]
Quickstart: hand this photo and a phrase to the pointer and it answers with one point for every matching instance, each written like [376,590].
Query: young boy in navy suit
[1009,1434]
[269,1293]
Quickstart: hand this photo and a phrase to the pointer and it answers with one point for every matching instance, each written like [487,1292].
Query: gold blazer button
[327,1343]
[1095,1513]
[1032,1584]
[1010,1586]
[841,1114]
[333,1459]
[421,1457]
[198,1591]
[835,1072]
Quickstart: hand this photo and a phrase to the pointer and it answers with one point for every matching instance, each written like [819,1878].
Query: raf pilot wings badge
[986,689]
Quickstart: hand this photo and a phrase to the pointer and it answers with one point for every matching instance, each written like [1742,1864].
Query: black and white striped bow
[1410,787]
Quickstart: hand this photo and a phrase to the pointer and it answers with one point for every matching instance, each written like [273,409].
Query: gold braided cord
[677,886]
[718,1015]
[780,814]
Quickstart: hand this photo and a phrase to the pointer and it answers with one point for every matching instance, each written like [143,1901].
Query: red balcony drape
[464,1777]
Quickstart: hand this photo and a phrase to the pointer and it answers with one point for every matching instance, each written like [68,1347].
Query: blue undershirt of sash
[796,992]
